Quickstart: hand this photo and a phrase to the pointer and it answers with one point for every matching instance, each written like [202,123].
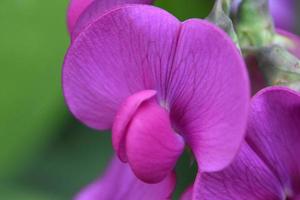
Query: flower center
[143,137]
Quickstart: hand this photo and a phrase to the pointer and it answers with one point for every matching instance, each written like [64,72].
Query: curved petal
[97,9]
[208,93]
[143,136]
[119,182]
[152,146]
[123,118]
[247,178]
[273,133]
[75,9]
[118,55]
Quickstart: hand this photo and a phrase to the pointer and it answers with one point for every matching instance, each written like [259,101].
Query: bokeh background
[45,154]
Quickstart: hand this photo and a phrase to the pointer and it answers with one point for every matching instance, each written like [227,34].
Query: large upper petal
[247,178]
[119,182]
[274,133]
[95,9]
[208,93]
[121,53]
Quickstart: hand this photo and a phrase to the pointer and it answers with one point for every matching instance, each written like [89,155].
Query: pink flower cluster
[162,85]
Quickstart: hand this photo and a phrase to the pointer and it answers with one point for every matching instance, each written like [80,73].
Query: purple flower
[159,84]
[118,182]
[268,165]
[83,12]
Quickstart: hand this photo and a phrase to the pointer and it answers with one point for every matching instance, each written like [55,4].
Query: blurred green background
[44,152]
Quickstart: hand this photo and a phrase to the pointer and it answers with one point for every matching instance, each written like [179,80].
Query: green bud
[279,66]
[255,26]
[219,16]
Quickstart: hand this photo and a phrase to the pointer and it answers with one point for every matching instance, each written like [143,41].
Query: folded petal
[142,135]
[247,178]
[97,9]
[152,146]
[119,54]
[123,118]
[119,182]
[208,93]
[274,133]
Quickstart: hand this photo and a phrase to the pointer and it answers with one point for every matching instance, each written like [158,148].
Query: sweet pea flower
[118,182]
[268,165]
[160,85]
[82,12]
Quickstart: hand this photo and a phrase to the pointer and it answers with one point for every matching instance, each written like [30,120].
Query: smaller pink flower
[268,165]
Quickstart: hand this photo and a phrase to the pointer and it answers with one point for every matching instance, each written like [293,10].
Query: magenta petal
[119,182]
[208,93]
[247,178]
[152,146]
[97,9]
[75,9]
[118,55]
[123,119]
[273,133]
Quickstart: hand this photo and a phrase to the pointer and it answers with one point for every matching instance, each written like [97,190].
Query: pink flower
[268,165]
[160,85]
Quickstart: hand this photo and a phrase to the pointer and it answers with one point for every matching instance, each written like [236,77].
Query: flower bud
[254,24]
[279,66]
